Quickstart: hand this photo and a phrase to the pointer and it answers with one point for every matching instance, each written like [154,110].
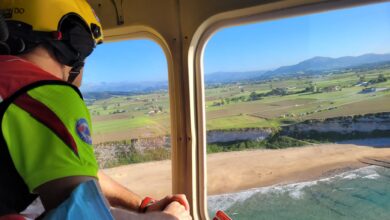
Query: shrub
[277,142]
[234,146]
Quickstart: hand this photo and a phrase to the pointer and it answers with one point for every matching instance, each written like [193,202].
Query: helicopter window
[297,111]
[125,88]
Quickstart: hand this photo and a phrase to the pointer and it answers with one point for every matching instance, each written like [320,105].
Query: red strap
[12,217]
[46,116]
[220,215]
[146,202]
[16,73]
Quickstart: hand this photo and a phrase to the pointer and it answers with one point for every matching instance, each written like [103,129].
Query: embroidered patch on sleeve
[83,131]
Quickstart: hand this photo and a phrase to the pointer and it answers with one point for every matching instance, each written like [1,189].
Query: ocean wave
[369,172]
[294,190]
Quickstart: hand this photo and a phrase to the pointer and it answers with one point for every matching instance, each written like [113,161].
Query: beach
[237,171]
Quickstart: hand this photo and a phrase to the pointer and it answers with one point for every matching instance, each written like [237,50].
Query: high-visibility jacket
[45,132]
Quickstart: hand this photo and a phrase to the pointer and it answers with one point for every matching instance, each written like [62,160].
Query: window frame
[204,33]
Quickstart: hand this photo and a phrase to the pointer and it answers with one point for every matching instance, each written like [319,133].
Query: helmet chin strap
[75,71]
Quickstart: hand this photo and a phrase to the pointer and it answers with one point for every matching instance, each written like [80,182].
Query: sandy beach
[236,171]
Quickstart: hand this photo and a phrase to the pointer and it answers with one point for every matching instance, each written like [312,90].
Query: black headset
[71,45]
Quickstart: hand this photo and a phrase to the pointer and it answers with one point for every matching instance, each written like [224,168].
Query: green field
[229,106]
[240,121]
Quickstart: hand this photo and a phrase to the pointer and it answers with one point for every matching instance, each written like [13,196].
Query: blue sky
[260,46]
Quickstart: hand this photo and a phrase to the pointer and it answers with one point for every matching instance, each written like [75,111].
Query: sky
[260,46]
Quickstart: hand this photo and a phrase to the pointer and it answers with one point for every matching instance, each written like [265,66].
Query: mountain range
[315,65]
[139,87]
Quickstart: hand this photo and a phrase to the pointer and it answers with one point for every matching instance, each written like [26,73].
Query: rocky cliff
[238,135]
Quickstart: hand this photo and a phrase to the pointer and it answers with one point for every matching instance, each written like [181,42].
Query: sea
[363,193]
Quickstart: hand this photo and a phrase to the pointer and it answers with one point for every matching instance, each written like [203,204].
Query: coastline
[231,172]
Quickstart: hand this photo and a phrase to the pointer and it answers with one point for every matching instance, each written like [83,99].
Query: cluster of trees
[274,92]
[117,111]
[229,100]
[253,96]
[274,141]
[379,79]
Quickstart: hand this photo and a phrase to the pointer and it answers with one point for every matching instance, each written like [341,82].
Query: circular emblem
[83,131]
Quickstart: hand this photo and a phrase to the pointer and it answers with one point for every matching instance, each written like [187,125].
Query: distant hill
[106,95]
[229,77]
[107,90]
[316,64]
[139,87]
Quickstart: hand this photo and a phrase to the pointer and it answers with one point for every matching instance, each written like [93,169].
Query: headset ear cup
[63,52]
[16,44]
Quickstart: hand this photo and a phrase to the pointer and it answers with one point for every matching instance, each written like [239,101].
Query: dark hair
[4,49]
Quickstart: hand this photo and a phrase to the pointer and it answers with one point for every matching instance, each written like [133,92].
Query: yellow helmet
[70,29]
[48,15]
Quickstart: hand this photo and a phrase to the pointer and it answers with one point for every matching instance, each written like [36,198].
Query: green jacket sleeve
[48,135]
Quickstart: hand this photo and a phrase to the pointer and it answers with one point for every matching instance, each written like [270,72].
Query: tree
[279,91]
[311,88]
[253,96]
[381,78]
[362,79]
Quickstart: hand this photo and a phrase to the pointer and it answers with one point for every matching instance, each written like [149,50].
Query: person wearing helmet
[46,146]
